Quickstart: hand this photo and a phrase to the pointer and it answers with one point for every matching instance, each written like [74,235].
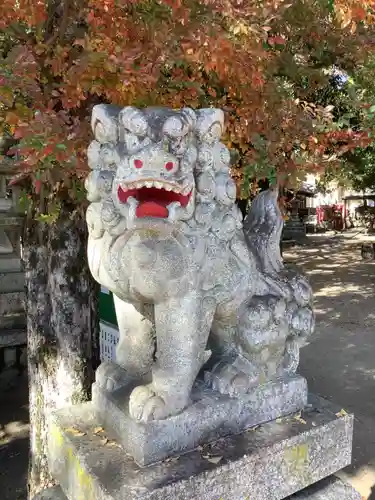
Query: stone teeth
[173,210]
[123,209]
[133,204]
[158,184]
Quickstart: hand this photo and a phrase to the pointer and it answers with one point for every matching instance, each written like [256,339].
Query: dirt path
[339,362]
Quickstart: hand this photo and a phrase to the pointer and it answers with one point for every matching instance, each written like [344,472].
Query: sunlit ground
[339,361]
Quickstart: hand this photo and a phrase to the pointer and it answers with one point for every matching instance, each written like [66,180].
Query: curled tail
[263,226]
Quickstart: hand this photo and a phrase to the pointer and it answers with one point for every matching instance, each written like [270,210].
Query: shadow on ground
[339,362]
[14,437]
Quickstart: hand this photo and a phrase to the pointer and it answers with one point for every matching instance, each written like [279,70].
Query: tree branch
[60,32]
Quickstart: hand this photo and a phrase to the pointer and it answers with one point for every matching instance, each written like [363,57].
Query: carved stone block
[209,416]
[271,462]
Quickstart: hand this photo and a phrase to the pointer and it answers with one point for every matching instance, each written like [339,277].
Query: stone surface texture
[194,287]
[11,302]
[270,462]
[51,494]
[327,489]
[331,488]
[13,337]
[210,416]
[5,244]
[12,281]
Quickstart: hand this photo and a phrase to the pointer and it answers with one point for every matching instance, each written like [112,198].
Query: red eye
[138,163]
[169,165]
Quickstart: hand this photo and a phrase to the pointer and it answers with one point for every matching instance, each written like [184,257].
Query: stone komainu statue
[195,289]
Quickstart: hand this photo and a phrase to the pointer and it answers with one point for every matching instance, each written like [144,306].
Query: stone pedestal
[269,462]
[210,416]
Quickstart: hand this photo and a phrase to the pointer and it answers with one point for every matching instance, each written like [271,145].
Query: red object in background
[338,217]
[321,214]
[339,209]
[331,213]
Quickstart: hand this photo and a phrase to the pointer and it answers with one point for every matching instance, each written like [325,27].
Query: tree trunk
[62,326]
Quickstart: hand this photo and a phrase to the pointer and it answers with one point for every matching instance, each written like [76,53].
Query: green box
[107,311]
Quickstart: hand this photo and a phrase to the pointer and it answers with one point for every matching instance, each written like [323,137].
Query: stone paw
[110,376]
[229,379]
[146,405]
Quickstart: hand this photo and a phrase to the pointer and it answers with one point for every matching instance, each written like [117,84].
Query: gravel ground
[339,362]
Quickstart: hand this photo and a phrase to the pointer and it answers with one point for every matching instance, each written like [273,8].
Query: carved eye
[169,166]
[138,163]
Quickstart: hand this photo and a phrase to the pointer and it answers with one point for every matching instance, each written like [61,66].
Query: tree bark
[62,326]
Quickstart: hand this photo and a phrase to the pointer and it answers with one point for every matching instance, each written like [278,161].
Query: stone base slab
[331,488]
[269,462]
[210,416]
[55,493]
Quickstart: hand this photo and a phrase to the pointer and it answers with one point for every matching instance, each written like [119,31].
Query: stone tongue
[151,209]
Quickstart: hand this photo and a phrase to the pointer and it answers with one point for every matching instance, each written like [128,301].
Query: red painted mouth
[153,201]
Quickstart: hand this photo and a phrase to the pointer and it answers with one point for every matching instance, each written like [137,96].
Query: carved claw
[146,405]
[228,379]
[110,376]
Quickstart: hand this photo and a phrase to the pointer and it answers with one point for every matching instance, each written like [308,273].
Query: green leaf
[272,176]
[48,218]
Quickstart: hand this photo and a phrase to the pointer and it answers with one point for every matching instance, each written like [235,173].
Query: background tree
[259,61]
[354,98]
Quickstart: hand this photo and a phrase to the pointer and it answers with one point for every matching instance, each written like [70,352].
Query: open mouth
[154,201]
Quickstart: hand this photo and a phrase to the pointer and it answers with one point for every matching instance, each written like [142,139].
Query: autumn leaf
[341,413]
[262,62]
[75,432]
[37,186]
[213,459]
[300,420]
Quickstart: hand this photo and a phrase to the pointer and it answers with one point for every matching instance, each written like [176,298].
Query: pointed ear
[210,125]
[104,123]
